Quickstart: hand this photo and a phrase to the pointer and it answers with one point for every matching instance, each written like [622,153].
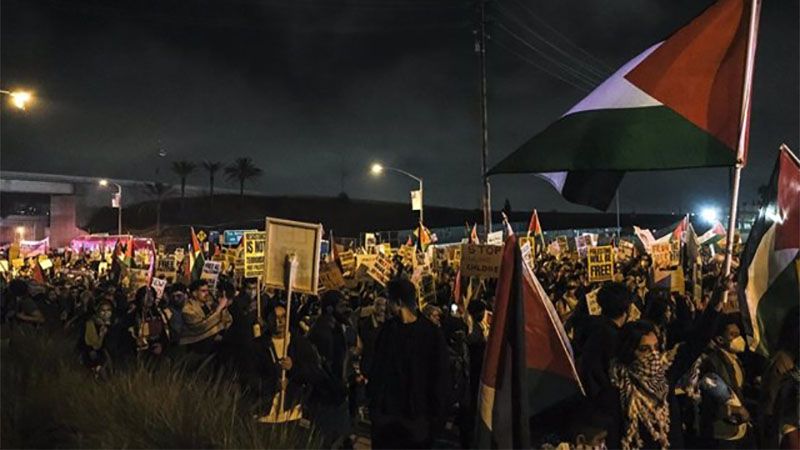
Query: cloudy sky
[315,90]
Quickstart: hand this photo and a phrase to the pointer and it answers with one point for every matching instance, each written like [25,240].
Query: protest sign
[137,278]
[427,290]
[365,260]
[582,243]
[348,261]
[211,271]
[381,270]
[165,267]
[330,277]
[369,241]
[601,263]
[406,253]
[285,238]
[13,252]
[532,242]
[563,244]
[385,248]
[626,250]
[554,249]
[17,263]
[495,238]
[527,252]
[179,254]
[158,285]
[591,303]
[45,263]
[481,260]
[675,253]
[254,242]
[661,254]
[4,266]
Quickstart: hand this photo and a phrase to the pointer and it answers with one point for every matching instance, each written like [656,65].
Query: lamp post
[378,168]
[105,183]
[18,98]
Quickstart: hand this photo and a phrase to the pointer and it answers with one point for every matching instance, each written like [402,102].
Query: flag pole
[755,10]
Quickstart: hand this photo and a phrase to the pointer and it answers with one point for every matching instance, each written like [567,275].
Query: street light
[21,232]
[118,199]
[19,98]
[378,169]
[710,215]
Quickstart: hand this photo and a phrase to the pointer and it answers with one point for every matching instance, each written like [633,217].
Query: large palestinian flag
[770,265]
[528,366]
[676,105]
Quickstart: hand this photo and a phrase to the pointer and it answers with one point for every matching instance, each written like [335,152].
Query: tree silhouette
[212,167]
[183,169]
[159,191]
[242,170]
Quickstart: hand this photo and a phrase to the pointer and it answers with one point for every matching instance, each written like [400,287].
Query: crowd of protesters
[660,368]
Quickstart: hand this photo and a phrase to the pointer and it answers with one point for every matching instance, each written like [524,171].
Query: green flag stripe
[647,138]
[782,295]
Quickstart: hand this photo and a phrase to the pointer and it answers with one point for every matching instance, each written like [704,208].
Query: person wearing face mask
[641,402]
[723,418]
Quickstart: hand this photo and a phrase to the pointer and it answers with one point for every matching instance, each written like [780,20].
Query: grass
[48,400]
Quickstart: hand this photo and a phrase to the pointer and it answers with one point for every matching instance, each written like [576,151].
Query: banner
[601,263]
[254,242]
[481,260]
[29,249]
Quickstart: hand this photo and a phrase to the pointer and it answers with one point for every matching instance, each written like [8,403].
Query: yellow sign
[254,243]
[330,277]
[601,263]
[201,236]
[662,255]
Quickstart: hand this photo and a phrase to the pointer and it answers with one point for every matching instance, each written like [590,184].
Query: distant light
[103,182]
[709,215]
[20,99]
[376,169]
[20,230]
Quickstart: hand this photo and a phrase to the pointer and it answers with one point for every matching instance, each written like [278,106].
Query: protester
[203,322]
[409,375]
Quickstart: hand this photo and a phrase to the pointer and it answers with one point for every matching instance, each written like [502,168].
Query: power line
[542,68]
[588,65]
[544,23]
[576,73]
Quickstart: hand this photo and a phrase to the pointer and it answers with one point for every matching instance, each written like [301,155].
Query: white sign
[211,271]
[158,285]
[416,200]
[495,238]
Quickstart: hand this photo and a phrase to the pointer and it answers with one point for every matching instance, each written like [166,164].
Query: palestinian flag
[715,234]
[196,258]
[770,266]
[676,105]
[473,235]
[425,238]
[528,366]
[534,227]
[127,260]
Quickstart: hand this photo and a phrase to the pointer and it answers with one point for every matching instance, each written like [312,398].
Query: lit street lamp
[18,98]
[377,169]
[20,233]
[118,200]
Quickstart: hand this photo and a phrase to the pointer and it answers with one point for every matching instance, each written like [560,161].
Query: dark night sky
[316,89]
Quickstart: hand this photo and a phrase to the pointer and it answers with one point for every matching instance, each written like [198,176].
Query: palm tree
[241,170]
[183,169]
[159,191]
[212,167]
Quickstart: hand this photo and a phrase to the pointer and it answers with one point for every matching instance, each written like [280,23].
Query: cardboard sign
[17,263]
[582,243]
[287,237]
[330,277]
[254,243]
[4,266]
[385,249]
[601,263]
[45,263]
[211,271]
[369,241]
[661,254]
[158,285]
[348,261]
[406,253]
[381,270]
[495,238]
[527,254]
[427,290]
[563,244]
[365,260]
[532,242]
[481,260]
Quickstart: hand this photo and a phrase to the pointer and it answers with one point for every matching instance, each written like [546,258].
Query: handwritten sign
[601,263]
[495,238]
[481,260]
[381,270]
[211,271]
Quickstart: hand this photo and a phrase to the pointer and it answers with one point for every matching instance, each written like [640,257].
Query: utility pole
[480,47]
